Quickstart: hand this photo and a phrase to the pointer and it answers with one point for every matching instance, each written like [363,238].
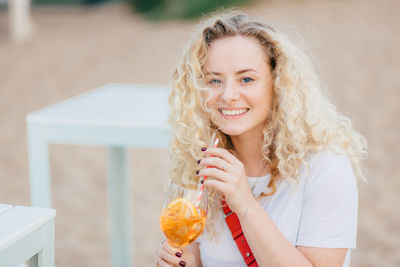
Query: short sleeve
[330,208]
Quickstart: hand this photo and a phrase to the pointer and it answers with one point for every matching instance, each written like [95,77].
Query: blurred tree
[72,2]
[144,6]
[186,9]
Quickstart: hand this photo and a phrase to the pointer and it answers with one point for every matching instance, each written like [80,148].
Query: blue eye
[214,81]
[247,80]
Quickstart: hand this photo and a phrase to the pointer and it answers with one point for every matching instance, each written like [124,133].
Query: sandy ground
[73,50]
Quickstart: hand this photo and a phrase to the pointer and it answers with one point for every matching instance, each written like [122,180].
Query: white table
[116,116]
[26,233]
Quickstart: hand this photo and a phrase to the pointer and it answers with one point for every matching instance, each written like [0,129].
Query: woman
[287,160]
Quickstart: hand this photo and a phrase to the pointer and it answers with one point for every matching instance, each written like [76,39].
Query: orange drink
[180,220]
[182,230]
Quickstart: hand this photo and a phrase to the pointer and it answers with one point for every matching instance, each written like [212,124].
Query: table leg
[33,262]
[39,167]
[45,257]
[119,207]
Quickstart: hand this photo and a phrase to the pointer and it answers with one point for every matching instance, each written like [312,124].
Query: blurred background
[74,46]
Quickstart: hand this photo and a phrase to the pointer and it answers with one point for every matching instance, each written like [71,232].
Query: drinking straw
[200,189]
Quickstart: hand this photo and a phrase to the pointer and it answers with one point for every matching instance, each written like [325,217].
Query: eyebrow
[238,72]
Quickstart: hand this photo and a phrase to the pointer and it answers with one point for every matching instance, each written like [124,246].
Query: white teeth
[233,112]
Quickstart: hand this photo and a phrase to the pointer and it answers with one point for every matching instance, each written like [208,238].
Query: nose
[230,92]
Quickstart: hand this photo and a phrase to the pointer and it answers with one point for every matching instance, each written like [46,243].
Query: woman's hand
[230,178]
[166,255]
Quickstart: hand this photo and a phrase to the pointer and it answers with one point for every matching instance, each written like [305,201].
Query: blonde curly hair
[301,121]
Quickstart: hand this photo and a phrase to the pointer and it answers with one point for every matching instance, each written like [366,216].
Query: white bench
[117,116]
[26,233]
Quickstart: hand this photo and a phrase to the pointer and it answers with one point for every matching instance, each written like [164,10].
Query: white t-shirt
[318,211]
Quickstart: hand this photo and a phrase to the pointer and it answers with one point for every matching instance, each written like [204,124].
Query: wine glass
[181,220]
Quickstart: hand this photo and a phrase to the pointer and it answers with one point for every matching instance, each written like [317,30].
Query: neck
[248,151]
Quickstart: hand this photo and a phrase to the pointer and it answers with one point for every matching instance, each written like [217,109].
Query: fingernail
[202,181]
[182,263]
[203,149]
[198,162]
[197,172]
[178,254]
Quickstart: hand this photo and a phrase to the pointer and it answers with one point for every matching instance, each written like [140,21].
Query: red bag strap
[233,223]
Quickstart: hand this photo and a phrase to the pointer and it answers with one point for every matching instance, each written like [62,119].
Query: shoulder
[328,170]
[326,159]
[329,216]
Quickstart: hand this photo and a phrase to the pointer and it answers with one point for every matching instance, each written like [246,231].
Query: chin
[231,132]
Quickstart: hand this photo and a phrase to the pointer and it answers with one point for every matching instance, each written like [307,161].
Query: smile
[233,112]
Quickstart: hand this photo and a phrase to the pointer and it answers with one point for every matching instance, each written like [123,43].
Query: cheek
[268,104]
[268,95]
[264,101]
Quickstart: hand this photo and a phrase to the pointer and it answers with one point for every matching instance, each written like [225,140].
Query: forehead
[236,52]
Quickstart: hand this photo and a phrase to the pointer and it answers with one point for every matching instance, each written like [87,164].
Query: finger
[214,162]
[221,153]
[162,263]
[158,260]
[170,249]
[214,172]
[170,254]
[169,258]
[219,186]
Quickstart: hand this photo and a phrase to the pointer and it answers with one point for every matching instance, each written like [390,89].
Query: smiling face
[238,72]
